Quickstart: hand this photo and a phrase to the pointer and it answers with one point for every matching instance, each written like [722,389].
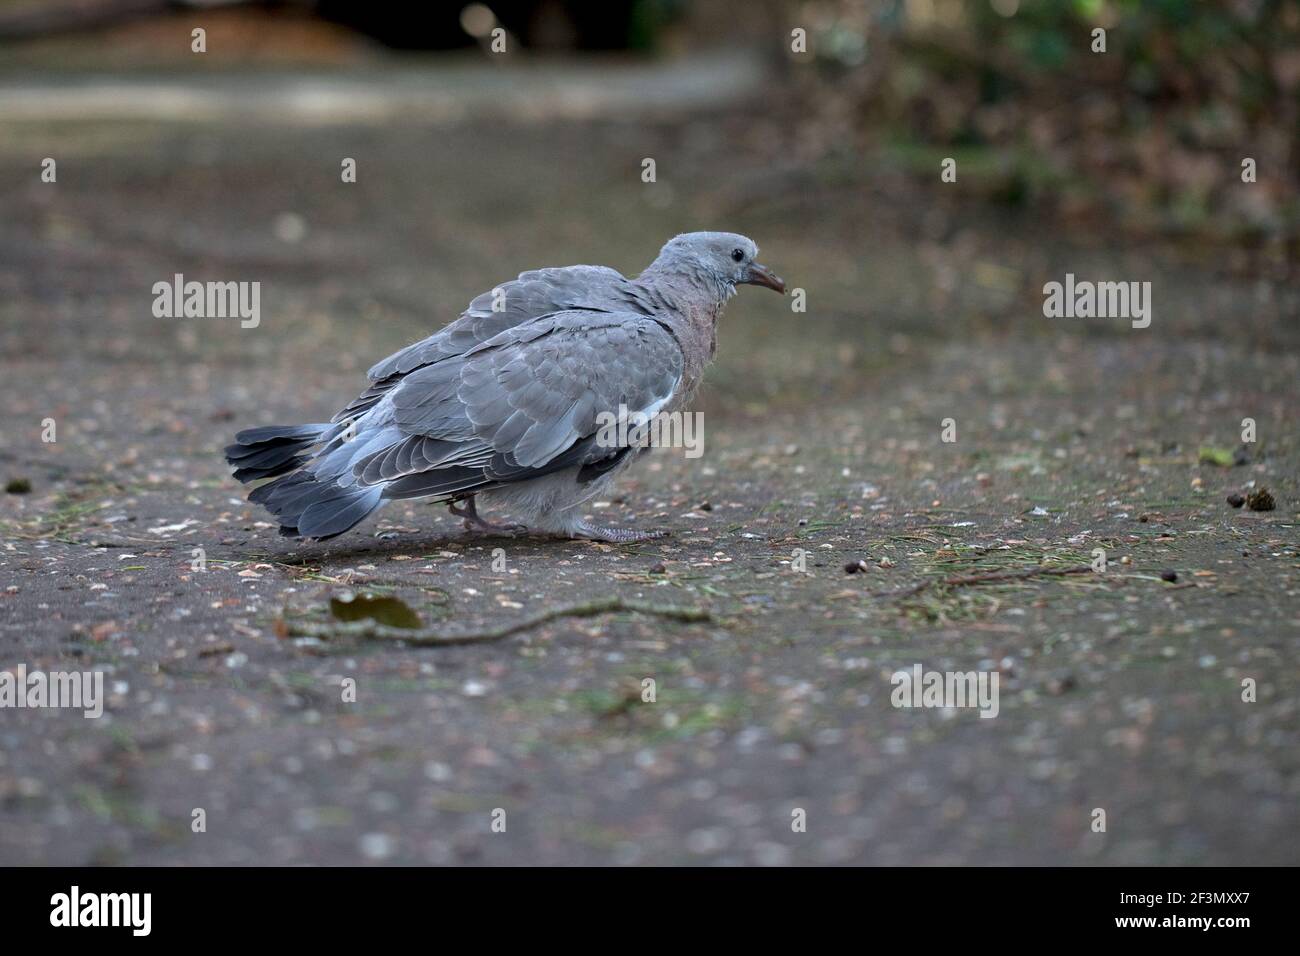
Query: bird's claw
[616,535]
[491,527]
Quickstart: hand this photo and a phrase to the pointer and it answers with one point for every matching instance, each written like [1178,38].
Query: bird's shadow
[317,553]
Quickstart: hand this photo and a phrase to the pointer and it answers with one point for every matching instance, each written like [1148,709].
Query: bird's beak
[760,274]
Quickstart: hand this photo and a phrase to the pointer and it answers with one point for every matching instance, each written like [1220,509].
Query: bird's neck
[689,303]
[686,290]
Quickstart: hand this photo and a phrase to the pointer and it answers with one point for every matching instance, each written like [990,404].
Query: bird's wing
[524,403]
[534,293]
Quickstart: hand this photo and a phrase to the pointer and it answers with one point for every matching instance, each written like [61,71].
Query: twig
[426,637]
[985,578]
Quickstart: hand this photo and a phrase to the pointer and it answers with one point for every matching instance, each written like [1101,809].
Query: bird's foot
[493,527]
[473,522]
[616,535]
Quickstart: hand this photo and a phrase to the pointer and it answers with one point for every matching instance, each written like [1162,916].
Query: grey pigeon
[505,401]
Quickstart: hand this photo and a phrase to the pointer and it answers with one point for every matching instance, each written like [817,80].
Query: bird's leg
[615,535]
[473,522]
[469,512]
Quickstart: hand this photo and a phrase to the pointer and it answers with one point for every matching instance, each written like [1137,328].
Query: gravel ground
[1120,691]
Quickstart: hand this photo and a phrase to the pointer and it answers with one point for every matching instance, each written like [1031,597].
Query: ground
[1121,690]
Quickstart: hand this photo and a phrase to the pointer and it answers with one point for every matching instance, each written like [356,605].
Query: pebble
[377,846]
[1260,500]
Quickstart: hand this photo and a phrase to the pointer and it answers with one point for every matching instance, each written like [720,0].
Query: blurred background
[826,147]
[817,128]
[1061,152]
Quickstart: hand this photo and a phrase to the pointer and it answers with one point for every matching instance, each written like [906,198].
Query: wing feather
[527,402]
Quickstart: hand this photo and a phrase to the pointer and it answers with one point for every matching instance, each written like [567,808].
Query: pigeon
[505,403]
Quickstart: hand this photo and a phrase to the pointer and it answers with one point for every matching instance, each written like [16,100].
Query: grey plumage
[504,402]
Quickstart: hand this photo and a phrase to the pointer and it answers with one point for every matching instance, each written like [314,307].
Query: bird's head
[728,258]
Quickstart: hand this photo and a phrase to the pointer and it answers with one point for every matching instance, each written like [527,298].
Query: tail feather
[307,504]
[277,490]
[334,515]
[262,456]
[309,508]
[267,433]
[279,467]
[272,450]
[294,498]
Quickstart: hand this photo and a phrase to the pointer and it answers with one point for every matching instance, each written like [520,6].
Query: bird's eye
[738,255]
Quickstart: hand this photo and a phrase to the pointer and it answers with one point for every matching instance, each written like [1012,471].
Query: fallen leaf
[1209,455]
[391,611]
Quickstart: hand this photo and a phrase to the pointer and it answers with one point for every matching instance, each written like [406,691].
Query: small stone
[377,846]
[772,854]
[658,568]
[1168,575]
[853,567]
[437,772]
[18,486]
[704,506]
[289,227]
[1061,685]
[1236,500]
[1260,500]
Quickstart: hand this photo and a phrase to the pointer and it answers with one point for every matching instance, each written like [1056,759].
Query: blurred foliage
[1150,134]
